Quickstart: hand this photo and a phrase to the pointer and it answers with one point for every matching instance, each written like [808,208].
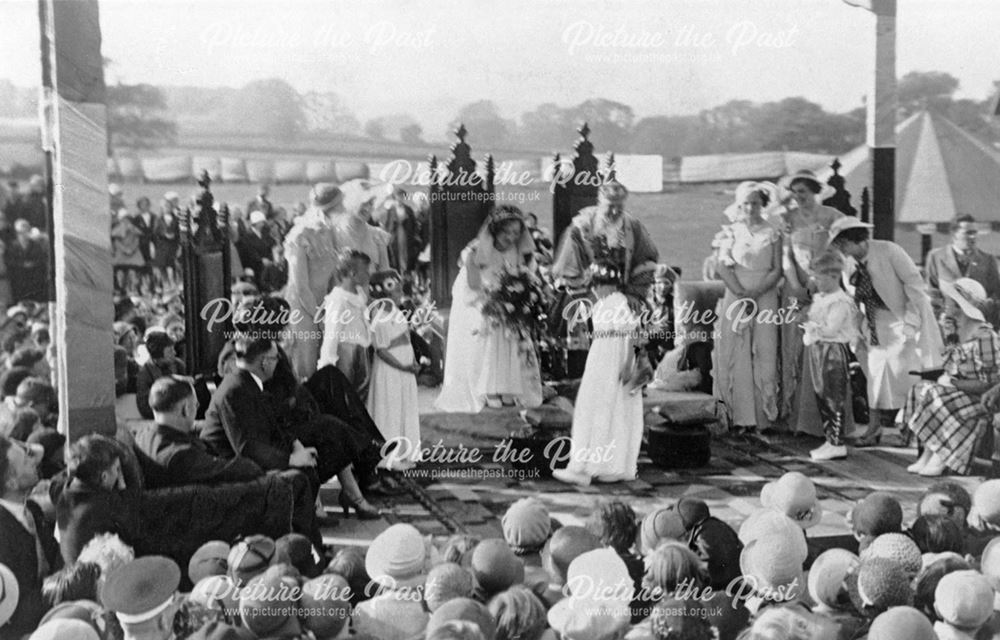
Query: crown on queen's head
[501,215]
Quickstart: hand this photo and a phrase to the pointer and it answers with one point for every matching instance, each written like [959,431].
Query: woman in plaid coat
[948,416]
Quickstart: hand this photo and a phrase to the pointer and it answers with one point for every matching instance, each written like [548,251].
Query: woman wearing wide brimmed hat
[948,418]
[311,252]
[745,360]
[898,328]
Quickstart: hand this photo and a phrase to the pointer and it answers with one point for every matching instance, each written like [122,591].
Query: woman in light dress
[805,223]
[745,360]
[607,416]
[488,365]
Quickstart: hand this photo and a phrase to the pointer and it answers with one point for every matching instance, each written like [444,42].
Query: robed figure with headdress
[595,233]
[487,364]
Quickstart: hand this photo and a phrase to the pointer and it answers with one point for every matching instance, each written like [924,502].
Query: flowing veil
[462,360]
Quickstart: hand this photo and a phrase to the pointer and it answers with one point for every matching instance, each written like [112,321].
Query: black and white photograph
[483,320]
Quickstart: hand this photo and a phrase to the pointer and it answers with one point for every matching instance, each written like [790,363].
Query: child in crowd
[607,418]
[274,274]
[830,330]
[346,335]
[392,395]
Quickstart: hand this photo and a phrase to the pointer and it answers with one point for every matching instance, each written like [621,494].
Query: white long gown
[607,420]
[478,363]
[392,395]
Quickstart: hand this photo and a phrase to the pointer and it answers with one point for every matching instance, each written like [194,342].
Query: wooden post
[882,120]
[866,205]
[574,186]
[926,231]
[74,125]
[460,199]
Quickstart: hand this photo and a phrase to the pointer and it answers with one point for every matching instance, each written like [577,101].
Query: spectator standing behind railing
[27,265]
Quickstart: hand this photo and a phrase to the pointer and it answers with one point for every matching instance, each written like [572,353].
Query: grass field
[682,223]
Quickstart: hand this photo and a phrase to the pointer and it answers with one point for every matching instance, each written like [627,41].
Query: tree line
[142,115]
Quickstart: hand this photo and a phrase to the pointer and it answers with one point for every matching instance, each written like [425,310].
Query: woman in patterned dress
[745,361]
[947,416]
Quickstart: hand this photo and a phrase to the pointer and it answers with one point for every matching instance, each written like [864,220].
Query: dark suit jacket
[240,421]
[18,552]
[253,249]
[169,457]
[145,234]
[83,512]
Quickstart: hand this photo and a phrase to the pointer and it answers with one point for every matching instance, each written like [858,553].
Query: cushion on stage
[549,418]
[678,447]
[684,407]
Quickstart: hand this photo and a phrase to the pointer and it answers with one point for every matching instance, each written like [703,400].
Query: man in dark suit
[963,259]
[261,203]
[144,222]
[170,454]
[240,420]
[27,545]
[255,245]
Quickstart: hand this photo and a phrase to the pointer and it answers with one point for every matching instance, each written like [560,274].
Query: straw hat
[847,222]
[825,190]
[746,188]
[10,594]
[968,294]
[794,495]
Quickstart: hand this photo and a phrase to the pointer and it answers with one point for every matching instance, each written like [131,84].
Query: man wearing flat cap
[311,253]
[142,595]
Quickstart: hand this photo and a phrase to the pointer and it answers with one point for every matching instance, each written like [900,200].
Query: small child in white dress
[607,417]
[830,331]
[392,394]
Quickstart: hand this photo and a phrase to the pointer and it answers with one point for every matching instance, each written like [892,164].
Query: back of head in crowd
[248,349]
[946,498]
[10,380]
[37,394]
[565,545]
[158,343]
[937,534]
[167,394]
[95,461]
[78,581]
[615,524]
[518,613]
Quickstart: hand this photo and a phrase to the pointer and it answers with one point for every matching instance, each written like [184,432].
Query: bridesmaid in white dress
[607,417]
[488,365]
[392,396]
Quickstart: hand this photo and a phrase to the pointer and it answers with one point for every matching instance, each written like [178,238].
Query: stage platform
[470,498]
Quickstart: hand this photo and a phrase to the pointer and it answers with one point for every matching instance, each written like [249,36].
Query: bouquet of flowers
[517,303]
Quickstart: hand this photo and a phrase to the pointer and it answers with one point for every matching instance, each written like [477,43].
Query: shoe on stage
[828,452]
[571,477]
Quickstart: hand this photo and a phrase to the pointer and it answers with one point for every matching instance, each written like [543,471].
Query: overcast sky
[428,57]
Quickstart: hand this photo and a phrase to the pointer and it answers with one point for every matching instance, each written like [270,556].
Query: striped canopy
[941,172]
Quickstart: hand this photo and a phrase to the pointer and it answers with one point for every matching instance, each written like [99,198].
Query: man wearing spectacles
[963,259]
[27,545]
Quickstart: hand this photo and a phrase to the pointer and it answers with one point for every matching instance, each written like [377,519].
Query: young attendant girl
[607,419]
[392,395]
[830,330]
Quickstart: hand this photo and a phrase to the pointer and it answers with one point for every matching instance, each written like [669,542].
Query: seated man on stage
[170,454]
[241,420]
